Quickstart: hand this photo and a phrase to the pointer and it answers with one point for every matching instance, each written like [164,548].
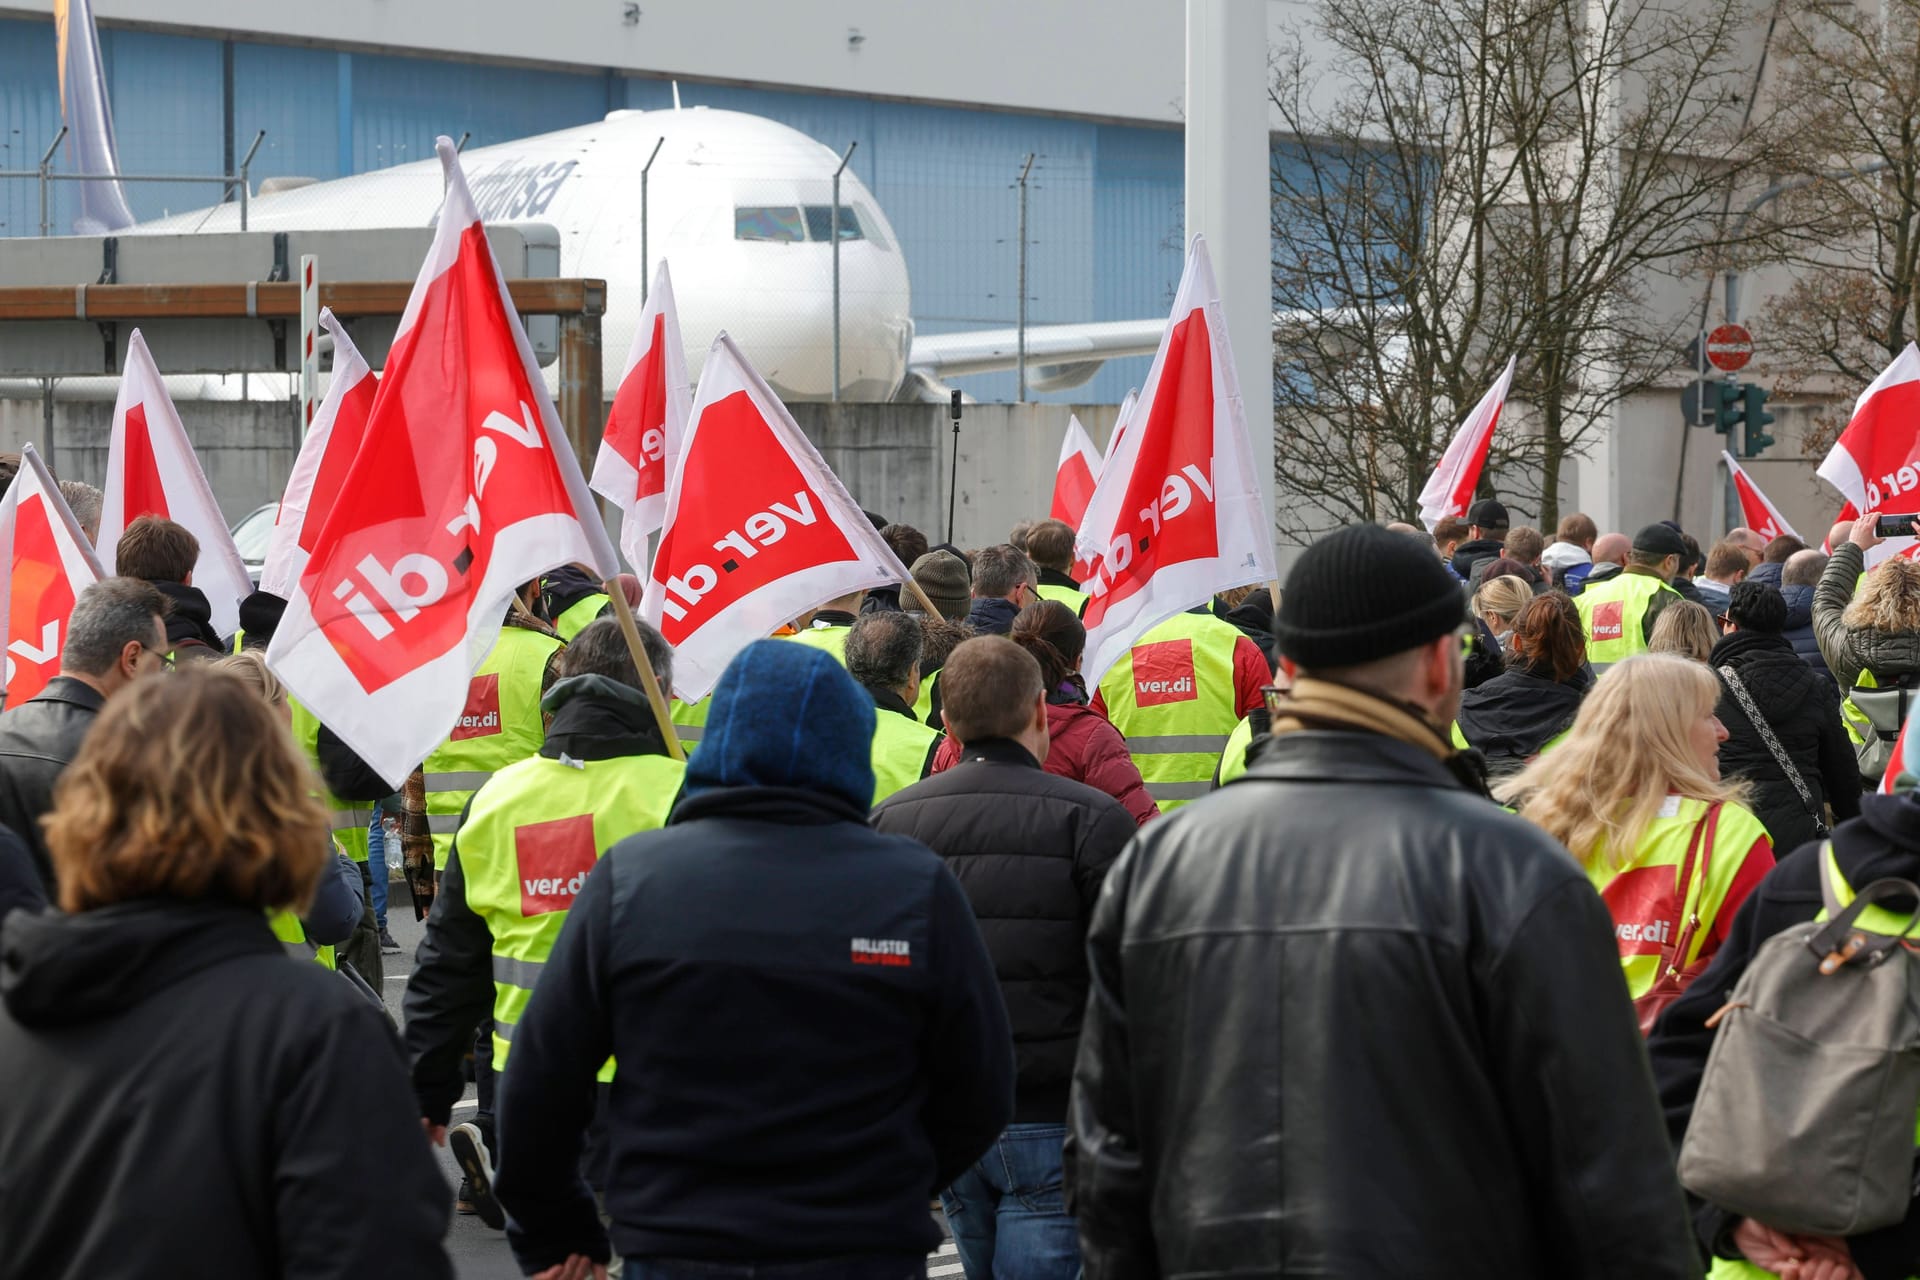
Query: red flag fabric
[1757,511]
[1449,490]
[153,470]
[463,488]
[641,443]
[758,528]
[1875,463]
[1178,513]
[49,564]
[1076,474]
[1897,762]
[320,472]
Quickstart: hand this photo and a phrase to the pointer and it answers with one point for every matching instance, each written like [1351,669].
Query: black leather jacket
[38,739]
[1350,1020]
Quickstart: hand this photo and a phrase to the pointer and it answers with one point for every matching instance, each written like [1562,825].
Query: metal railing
[46,177]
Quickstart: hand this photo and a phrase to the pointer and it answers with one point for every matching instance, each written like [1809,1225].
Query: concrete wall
[894,459]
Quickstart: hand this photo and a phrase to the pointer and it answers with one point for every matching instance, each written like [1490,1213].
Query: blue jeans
[1008,1212]
[855,1268]
[377,868]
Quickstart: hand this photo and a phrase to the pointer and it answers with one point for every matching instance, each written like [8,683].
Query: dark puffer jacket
[1799,629]
[1510,717]
[1316,987]
[1803,710]
[1031,851]
[1083,747]
[1883,841]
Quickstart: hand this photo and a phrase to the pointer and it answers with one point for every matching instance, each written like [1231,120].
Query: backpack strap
[1673,957]
[1840,942]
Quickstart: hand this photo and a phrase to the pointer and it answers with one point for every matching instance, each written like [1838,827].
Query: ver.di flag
[1757,511]
[320,472]
[1178,512]
[464,488]
[758,528]
[152,469]
[641,443]
[1449,490]
[1875,464]
[49,564]
[1075,475]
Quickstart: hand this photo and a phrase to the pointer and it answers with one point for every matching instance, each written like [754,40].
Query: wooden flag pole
[921,596]
[648,681]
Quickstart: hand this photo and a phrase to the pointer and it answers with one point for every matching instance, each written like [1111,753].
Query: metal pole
[46,415]
[245,161]
[646,265]
[1024,171]
[834,235]
[46,168]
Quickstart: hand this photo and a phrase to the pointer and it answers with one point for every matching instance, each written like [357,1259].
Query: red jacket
[1085,748]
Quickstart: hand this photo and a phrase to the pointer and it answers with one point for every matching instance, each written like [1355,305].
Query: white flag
[48,564]
[641,444]
[1449,491]
[339,425]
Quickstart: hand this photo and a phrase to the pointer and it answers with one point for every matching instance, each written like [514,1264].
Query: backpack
[1884,709]
[1805,1118]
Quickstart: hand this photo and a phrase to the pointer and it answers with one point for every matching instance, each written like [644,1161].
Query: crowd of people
[1381,930]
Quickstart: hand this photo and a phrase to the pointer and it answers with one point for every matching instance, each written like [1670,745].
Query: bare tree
[1474,180]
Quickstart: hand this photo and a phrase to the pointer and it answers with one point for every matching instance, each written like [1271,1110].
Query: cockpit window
[762,223]
[820,223]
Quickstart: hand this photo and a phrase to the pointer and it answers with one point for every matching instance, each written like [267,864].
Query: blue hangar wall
[1104,211]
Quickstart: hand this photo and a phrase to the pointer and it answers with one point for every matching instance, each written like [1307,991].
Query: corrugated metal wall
[1104,211]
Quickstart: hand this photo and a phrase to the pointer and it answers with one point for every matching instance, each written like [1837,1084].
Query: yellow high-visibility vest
[1172,697]
[1612,614]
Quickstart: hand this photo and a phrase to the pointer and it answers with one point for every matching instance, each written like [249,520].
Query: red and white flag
[320,472]
[1875,463]
[650,410]
[464,488]
[1897,762]
[49,564]
[1757,511]
[152,470]
[1075,476]
[1449,490]
[758,530]
[1178,513]
[1120,423]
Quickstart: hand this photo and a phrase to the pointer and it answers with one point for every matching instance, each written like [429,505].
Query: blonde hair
[1685,628]
[1629,748]
[253,669]
[1503,597]
[188,787]
[1889,600]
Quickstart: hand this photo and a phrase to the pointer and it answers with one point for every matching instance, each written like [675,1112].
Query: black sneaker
[476,1162]
[388,947]
[463,1199]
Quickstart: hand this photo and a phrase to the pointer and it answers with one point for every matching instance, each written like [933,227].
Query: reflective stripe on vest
[500,725]
[1172,697]
[531,837]
[689,721]
[575,617]
[902,751]
[1074,600]
[348,820]
[1612,614]
[286,926]
[1639,893]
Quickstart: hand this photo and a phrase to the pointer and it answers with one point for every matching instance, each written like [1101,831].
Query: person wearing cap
[807,1031]
[1311,982]
[946,580]
[1486,537]
[1618,613]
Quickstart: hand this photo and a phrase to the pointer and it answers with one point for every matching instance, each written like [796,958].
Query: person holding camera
[1868,629]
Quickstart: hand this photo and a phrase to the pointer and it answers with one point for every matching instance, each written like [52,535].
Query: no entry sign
[1729,347]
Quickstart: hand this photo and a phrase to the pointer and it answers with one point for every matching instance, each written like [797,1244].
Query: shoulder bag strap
[1780,756]
[1693,880]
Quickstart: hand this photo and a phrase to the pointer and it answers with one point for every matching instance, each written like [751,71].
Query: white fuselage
[739,206]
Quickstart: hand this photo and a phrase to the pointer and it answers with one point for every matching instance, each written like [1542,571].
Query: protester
[115,636]
[1004,582]
[1883,842]
[1050,547]
[1515,715]
[1227,1114]
[830,624]
[1176,696]
[1251,609]
[1747,540]
[883,657]
[1774,557]
[1684,628]
[84,501]
[1499,601]
[164,553]
[182,1096]
[908,544]
[1085,748]
[1690,561]
[1486,537]
[1727,564]
[1798,578]
[1017,536]
[1801,715]
[947,582]
[1031,851]
[879,1063]
[20,886]
[1630,790]
[1519,557]
[602,774]
[1448,534]
[1610,553]
[938,638]
[1871,641]
[1619,611]
[570,598]
[1570,550]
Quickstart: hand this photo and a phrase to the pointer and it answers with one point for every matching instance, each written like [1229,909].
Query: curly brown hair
[187,787]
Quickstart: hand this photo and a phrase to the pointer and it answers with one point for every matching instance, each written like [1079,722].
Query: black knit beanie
[1363,593]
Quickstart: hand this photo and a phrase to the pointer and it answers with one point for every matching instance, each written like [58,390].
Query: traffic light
[1754,413]
[1732,411]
